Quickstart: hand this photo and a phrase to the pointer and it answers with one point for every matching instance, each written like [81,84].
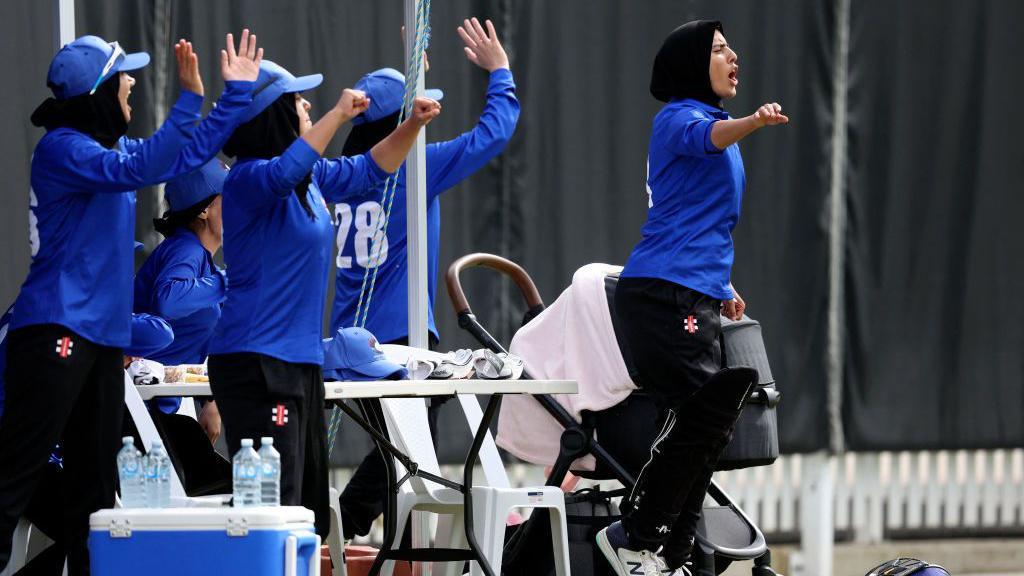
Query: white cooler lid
[256,518]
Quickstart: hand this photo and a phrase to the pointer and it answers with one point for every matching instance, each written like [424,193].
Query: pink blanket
[572,339]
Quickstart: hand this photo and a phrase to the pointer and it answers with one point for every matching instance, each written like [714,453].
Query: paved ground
[983,557]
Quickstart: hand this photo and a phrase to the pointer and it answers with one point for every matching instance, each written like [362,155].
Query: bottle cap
[247,442]
[266,441]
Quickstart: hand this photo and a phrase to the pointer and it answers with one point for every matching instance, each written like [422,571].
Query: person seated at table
[447,164]
[265,355]
[181,283]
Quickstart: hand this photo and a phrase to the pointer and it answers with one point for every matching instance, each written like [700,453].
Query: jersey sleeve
[180,289]
[264,182]
[150,334]
[70,160]
[687,132]
[340,178]
[448,163]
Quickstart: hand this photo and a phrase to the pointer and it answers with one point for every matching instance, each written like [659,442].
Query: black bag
[756,439]
[528,550]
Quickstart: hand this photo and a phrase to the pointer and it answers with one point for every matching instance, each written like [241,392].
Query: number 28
[370,239]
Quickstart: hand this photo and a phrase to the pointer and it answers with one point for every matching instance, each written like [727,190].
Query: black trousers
[60,388]
[262,396]
[674,335]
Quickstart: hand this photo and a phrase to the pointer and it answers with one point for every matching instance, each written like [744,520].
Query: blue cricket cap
[274,81]
[354,354]
[386,89]
[82,65]
[192,188]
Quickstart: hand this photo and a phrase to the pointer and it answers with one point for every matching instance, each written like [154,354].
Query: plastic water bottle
[157,468]
[246,476]
[129,470]
[270,473]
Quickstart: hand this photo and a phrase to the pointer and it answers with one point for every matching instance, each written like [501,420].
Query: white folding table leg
[336,540]
[19,548]
[147,430]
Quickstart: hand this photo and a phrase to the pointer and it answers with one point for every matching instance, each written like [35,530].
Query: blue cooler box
[265,541]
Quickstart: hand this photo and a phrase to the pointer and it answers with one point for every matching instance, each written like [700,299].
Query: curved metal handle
[503,265]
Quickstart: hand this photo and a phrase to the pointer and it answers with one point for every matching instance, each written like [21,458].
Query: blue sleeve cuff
[709,146]
[189,102]
[501,74]
[238,89]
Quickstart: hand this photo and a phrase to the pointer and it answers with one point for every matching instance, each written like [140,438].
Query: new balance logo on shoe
[635,568]
[663,529]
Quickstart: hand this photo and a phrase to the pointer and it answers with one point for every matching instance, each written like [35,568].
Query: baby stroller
[626,431]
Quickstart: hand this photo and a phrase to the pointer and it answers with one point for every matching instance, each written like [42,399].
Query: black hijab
[98,115]
[363,137]
[268,135]
[681,66]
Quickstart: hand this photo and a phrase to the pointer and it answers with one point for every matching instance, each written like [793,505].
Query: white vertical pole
[416,228]
[416,204]
[816,524]
[63,22]
[837,230]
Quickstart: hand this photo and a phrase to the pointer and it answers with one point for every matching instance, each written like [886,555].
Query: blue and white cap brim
[381,369]
[133,61]
[303,83]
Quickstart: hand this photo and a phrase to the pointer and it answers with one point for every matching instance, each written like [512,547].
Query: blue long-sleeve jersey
[180,283]
[695,195]
[277,256]
[82,214]
[360,219]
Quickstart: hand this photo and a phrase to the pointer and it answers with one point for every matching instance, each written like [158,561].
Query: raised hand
[483,48]
[424,110]
[188,67]
[770,115]
[243,64]
[352,103]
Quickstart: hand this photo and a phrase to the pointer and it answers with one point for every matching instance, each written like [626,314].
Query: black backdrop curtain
[934,274]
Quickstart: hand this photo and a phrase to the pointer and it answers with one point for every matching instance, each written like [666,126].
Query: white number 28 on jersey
[369,237]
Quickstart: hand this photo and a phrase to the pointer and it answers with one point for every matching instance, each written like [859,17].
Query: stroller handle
[503,265]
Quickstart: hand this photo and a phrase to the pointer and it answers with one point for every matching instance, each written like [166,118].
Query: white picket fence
[875,495]
[879,494]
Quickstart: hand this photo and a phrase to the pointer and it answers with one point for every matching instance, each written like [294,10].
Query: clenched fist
[424,110]
[352,103]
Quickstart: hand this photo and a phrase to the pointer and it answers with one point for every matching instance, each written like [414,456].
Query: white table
[336,392]
[389,388]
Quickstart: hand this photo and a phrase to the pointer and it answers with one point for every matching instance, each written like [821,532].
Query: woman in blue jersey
[179,280]
[180,283]
[674,288]
[265,355]
[72,317]
[359,221]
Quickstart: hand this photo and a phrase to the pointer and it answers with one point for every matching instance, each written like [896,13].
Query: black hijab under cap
[98,115]
[365,136]
[268,135]
[681,66]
